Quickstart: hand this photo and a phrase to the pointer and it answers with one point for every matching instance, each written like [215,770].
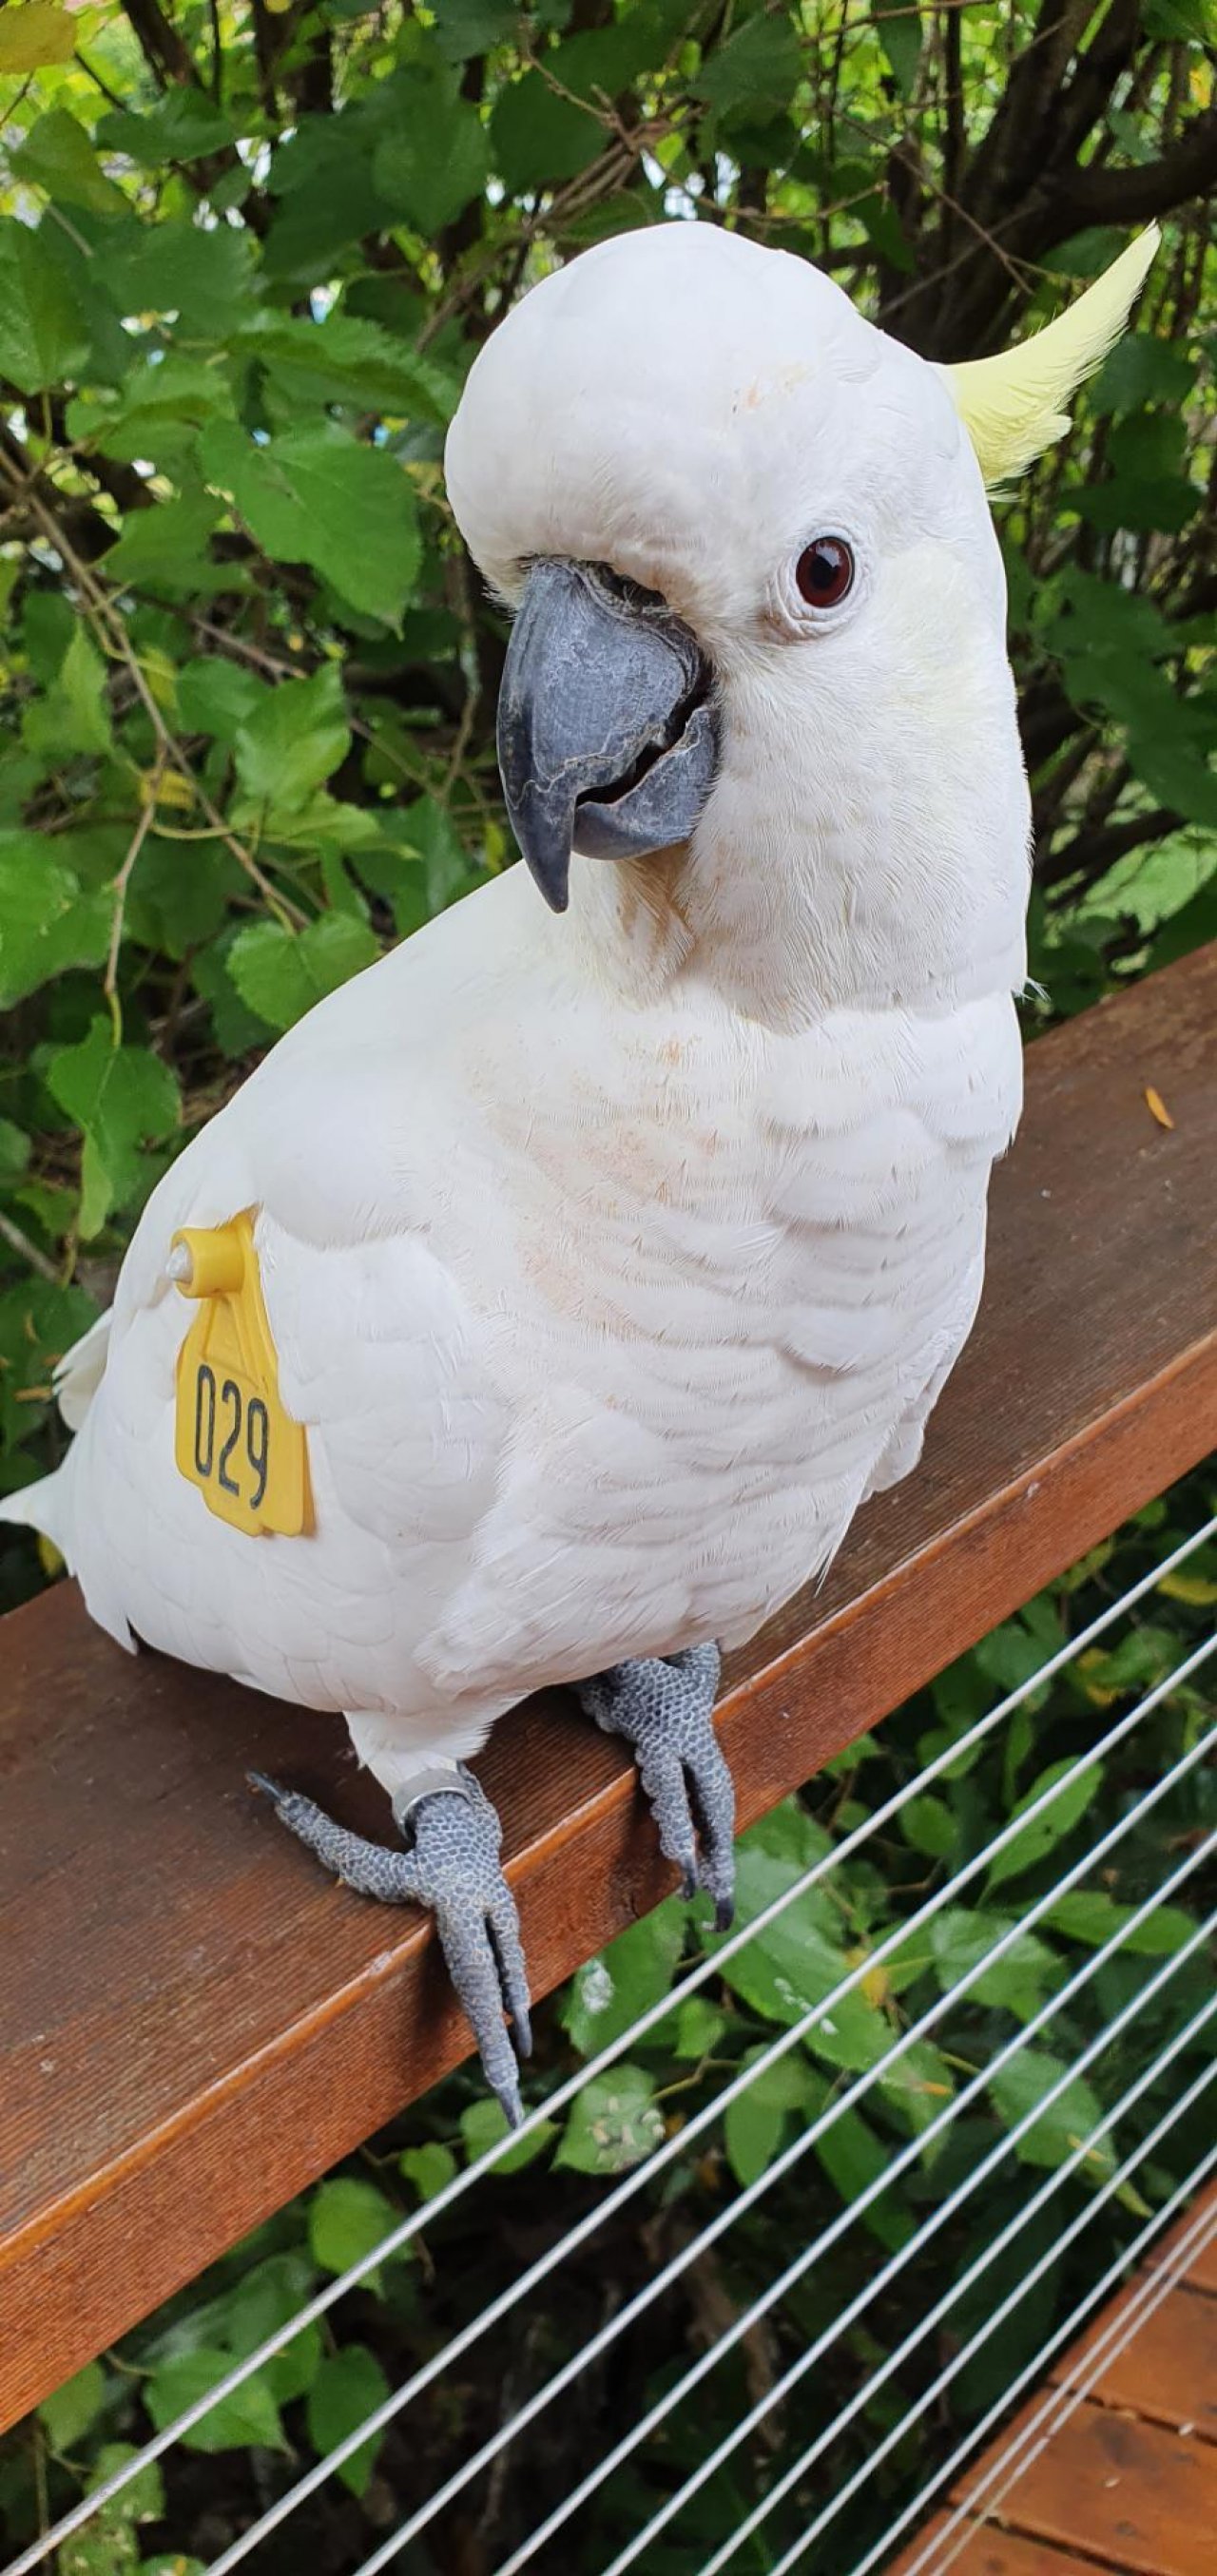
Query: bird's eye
[824,573]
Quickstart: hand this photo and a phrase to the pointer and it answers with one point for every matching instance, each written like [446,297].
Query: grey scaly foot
[662,1705]
[452,1866]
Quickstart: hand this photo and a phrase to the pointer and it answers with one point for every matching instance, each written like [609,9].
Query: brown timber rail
[194,2023]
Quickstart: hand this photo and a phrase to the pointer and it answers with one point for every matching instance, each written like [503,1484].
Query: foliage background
[248,681]
[247,252]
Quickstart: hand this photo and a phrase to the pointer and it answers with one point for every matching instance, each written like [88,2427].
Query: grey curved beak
[606,735]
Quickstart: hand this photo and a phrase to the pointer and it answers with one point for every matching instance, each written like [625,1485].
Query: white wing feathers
[602,1323]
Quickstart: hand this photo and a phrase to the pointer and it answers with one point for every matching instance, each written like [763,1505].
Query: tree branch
[1091,854]
[1106,196]
[166,53]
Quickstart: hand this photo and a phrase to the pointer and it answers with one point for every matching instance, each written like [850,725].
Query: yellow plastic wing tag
[232,1437]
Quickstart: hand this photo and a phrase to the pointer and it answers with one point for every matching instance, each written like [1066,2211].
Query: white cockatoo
[546,1303]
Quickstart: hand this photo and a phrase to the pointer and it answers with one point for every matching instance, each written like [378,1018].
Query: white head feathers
[693,411]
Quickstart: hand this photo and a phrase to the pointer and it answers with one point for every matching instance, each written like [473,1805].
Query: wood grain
[1202,2269]
[194,2023]
[1132,2495]
[1167,2373]
[1129,2481]
[980,2550]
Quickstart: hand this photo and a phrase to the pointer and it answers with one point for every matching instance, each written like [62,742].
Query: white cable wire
[742,2325]
[898,1938]
[676,2146]
[814,2352]
[802,2145]
[709,1967]
[1059,2404]
[792,2476]
[1195,2237]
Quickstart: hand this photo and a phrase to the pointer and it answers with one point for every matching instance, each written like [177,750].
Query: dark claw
[663,1706]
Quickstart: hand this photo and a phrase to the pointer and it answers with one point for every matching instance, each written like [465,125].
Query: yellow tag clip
[232,1437]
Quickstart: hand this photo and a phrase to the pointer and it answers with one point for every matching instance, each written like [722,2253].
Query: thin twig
[112,634]
[19,1241]
[119,912]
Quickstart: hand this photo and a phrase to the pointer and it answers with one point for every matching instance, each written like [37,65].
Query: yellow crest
[1014,405]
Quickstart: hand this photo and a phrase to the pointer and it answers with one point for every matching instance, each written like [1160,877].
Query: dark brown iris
[825,572]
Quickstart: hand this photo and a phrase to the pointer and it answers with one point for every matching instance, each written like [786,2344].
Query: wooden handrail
[194,2023]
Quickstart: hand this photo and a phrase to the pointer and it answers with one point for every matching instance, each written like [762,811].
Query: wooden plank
[1130,2494]
[1202,2267]
[980,2549]
[1168,2370]
[194,2023]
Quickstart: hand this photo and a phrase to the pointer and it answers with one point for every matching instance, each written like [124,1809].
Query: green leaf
[143,2497]
[323,175]
[101,2548]
[218,697]
[74,2407]
[47,922]
[345,359]
[249,2416]
[35,35]
[853,2158]
[429,2169]
[44,336]
[349,2386]
[73,716]
[754,2126]
[610,1992]
[484,2123]
[1060,1816]
[1018,1981]
[1188,20]
[1017,2088]
[348,2218]
[466,27]
[792,1969]
[429,833]
[185,125]
[756,72]
[316,496]
[436,157]
[267,2298]
[14,1152]
[1083,1915]
[929,1826]
[918,2084]
[166,544]
[699,2026]
[614,2123]
[39,1321]
[121,1098]
[205,276]
[57,155]
[1178,774]
[293,739]
[1141,369]
[538,137]
[281,973]
[900,34]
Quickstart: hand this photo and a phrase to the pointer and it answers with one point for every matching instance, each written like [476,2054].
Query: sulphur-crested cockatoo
[571,1281]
